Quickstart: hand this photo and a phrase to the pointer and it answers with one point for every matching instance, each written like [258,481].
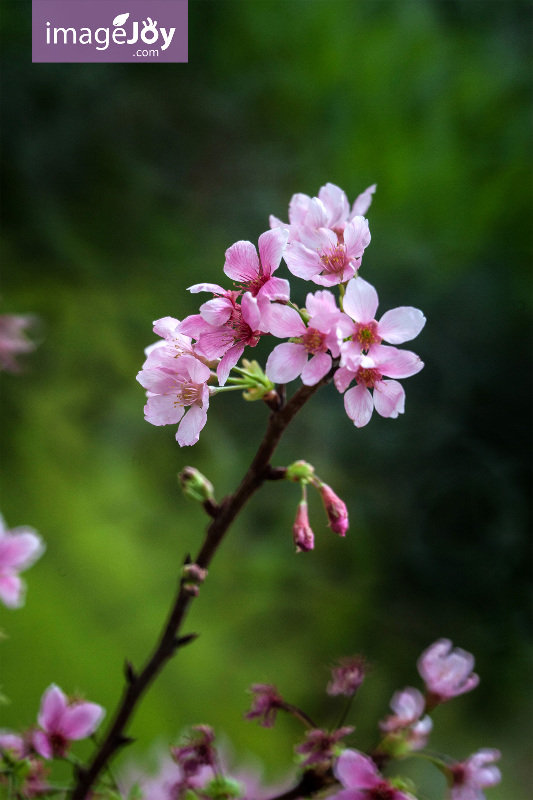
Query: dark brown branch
[137,683]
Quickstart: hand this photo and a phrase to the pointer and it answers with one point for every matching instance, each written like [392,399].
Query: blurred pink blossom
[362,781]
[19,549]
[477,772]
[446,672]
[303,536]
[13,340]
[63,721]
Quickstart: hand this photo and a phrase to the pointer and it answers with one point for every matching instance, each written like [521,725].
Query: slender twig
[258,472]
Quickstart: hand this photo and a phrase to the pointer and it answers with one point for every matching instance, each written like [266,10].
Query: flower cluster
[334,337]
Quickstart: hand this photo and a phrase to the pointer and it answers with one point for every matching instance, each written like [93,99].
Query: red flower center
[313,341]
[366,334]
[368,377]
[335,260]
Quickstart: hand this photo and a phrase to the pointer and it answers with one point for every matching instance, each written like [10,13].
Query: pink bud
[303,536]
[335,509]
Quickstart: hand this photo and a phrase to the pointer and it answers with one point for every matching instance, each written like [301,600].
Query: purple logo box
[126,31]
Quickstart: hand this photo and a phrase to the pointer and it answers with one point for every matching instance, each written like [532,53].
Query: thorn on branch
[123,741]
[129,672]
[187,560]
[181,641]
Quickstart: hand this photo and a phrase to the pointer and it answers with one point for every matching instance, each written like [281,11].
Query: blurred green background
[125,184]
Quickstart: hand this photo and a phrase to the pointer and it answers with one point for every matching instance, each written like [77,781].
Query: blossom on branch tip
[197,753]
[321,747]
[335,508]
[303,536]
[477,772]
[446,672]
[347,676]
[361,780]
[19,549]
[266,703]
[63,721]
[407,728]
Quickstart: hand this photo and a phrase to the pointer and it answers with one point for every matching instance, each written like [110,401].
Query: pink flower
[334,210]
[407,720]
[173,385]
[265,704]
[254,274]
[223,328]
[362,781]
[172,342]
[13,340]
[13,745]
[335,509]
[477,772]
[317,339]
[303,536]
[395,327]
[322,257]
[320,746]
[446,672]
[199,751]
[19,549]
[63,721]
[347,676]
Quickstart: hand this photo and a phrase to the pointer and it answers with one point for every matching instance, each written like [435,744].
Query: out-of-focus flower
[63,721]
[266,702]
[13,745]
[172,385]
[256,274]
[407,729]
[19,549]
[198,752]
[477,772]
[335,508]
[362,781]
[347,676]
[13,340]
[303,536]
[446,672]
[321,747]
[317,339]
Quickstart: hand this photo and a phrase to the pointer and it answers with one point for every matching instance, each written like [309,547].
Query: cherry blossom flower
[395,327]
[347,676]
[317,339]
[223,328]
[13,340]
[266,703]
[320,746]
[63,721]
[320,256]
[173,385]
[172,343]
[199,751]
[19,549]
[335,509]
[362,781]
[446,672]
[477,772]
[334,208]
[13,745]
[408,706]
[303,536]
[255,274]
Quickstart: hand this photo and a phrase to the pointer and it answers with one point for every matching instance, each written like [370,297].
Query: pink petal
[250,311]
[318,239]
[198,371]
[53,705]
[331,278]
[395,363]
[20,549]
[283,321]
[194,325]
[286,362]
[156,381]
[217,311]
[362,203]
[207,287]
[361,300]
[215,343]
[165,326]
[317,215]
[389,398]
[301,261]
[298,208]
[401,324]
[275,289]
[315,369]
[271,246]
[81,720]
[359,405]
[228,362]
[41,743]
[274,222]
[343,378]
[163,410]
[356,771]
[356,237]
[242,263]
[191,425]
[336,203]
[11,590]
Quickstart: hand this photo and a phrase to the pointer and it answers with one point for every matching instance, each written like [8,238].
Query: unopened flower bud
[347,676]
[335,509]
[263,386]
[195,486]
[300,472]
[193,576]
[303,536]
